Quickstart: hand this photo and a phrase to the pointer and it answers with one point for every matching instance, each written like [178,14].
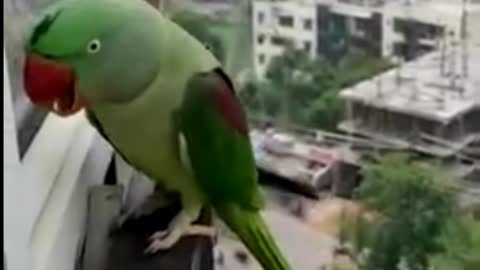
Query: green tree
[416,206]
[461,245]
[303,90]
[302,82]
[260,99]
[354,68]
[325,111]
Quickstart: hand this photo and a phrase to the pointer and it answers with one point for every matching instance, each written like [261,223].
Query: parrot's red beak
[51,84]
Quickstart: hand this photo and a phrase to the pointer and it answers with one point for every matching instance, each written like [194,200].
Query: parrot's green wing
[214,126]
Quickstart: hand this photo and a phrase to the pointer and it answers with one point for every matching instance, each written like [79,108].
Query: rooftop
[281,153]
[419,9]
[422,87]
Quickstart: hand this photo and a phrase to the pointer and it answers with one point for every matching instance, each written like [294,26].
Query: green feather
[224,167]
[222,159]
[252,230]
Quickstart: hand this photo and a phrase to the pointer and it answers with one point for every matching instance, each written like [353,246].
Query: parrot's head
[87,52]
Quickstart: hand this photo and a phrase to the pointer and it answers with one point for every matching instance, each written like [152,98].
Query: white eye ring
[94,46]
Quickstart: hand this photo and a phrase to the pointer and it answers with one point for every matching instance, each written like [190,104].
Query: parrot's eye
[94,46]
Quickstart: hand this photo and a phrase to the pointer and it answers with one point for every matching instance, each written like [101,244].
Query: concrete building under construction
[431,104]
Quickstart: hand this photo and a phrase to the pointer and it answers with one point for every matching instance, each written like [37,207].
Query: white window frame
[45,193]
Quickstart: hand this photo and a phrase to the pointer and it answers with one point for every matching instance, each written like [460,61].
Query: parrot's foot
[194,229]
[162,240]
[180,226]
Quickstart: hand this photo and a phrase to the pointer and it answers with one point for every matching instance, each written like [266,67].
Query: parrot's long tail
[254,233]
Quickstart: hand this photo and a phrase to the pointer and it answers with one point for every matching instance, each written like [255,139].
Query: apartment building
[275,24]
[412,29]
[395,29]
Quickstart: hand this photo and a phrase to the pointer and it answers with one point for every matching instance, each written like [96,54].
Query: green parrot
[164,103]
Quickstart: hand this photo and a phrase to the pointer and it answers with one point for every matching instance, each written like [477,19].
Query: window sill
[56,164]
[48,154]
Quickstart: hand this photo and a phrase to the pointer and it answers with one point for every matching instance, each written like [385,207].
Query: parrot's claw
[163,240]
[200,230]
[159,235]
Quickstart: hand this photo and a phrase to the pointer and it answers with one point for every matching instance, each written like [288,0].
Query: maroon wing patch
[229,107]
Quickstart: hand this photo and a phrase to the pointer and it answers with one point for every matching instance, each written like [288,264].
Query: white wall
[15,190]
[45,193]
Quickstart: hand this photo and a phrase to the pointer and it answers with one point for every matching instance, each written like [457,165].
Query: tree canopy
[419,225]
[303,90]
[461,245]
[416,205]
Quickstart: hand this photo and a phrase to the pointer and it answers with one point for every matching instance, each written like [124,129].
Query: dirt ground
[303,247]
[307,236]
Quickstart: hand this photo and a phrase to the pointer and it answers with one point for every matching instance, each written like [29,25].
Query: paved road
[305,248]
